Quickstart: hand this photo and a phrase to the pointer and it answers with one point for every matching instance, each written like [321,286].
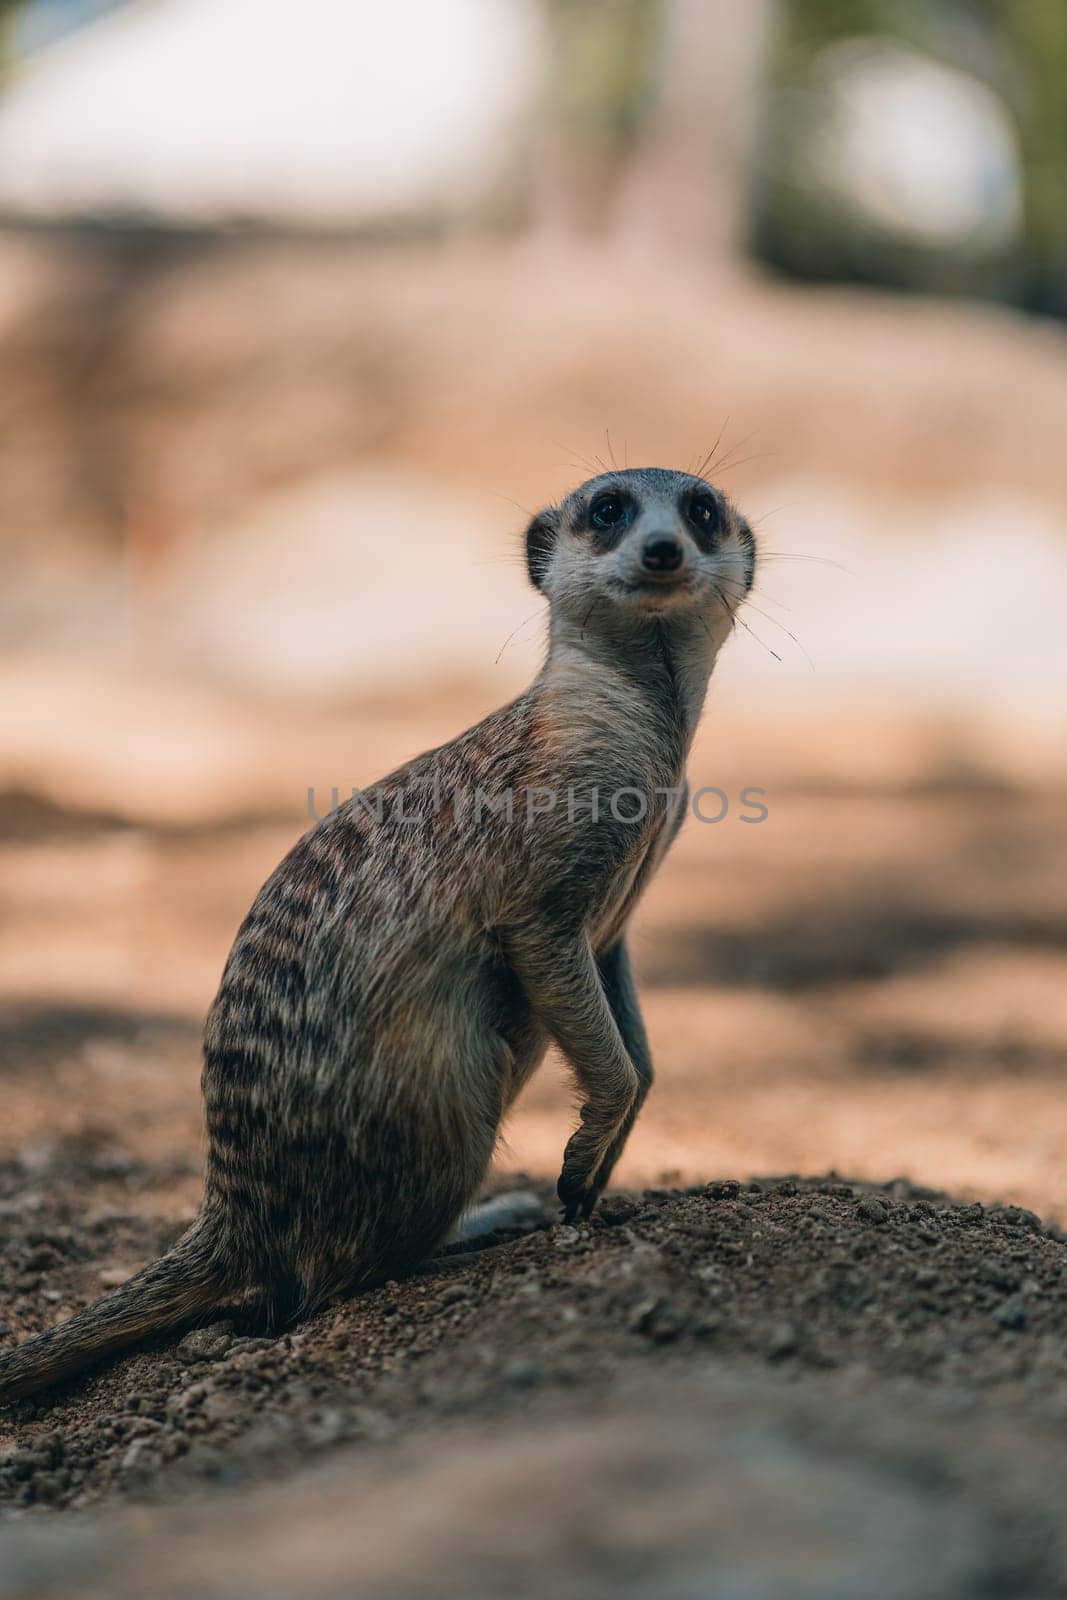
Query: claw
[573,1197]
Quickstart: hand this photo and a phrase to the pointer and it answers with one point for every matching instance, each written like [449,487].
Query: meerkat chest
[623,884]
[620,761]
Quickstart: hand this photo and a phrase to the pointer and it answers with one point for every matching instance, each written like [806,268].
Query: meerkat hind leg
[519,1208]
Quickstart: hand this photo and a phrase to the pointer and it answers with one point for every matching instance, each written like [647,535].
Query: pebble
[723,1189]
[523,1374]
[330,1426]
[142,1455]
[615,1209]
[659,1320]
[223,1405]
[178,1404]
[206,1344]
[1018,1217]
[453,1293]
[873,1211]
[1011,1313]
[784,1340]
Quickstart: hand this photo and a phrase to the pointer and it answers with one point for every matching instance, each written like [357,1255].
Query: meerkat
[403,970]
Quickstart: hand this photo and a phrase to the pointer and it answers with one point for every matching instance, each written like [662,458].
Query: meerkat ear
[540,542]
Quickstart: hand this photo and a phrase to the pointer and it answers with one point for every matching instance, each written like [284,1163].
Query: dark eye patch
[704,515]
[610,514]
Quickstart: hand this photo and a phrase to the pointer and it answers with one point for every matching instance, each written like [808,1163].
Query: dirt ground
[810,1385]
[877,1378]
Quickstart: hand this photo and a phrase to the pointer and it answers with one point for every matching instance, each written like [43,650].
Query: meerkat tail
[189,1280]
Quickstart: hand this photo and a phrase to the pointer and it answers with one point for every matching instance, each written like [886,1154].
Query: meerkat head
[645,543]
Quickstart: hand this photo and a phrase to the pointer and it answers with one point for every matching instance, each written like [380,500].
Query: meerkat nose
[662,553]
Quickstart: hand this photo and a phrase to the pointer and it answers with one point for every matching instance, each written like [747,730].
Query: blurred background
[303,308]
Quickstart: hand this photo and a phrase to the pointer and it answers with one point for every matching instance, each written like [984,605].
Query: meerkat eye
[609,511]
[704,515]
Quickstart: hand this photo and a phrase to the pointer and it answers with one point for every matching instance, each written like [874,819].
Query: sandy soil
[874,979]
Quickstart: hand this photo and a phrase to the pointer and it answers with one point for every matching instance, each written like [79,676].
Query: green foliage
[1019,47]
[602,53]
[8,10]
[809,25]
[1036,31]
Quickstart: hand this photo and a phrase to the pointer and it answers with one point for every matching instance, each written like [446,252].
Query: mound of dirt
[922,1312]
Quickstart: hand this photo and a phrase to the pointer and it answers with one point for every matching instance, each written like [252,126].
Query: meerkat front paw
[580,1183]
[578,1198]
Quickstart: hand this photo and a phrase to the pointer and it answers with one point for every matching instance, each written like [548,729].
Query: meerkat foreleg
[564,987]
[616,975]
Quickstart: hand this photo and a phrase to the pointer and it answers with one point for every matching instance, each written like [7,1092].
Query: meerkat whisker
[745,599]
[717,464]
[732,466]
[533,614]
[705,462]
[743,624]
[795,555]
